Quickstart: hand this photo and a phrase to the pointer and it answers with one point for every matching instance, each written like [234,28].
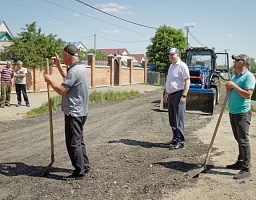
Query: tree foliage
[32,47]
[252,65]
[164,39]
[83,55]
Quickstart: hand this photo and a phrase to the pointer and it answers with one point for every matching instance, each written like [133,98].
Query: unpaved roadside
[37,99]
[218,182]
[122,140]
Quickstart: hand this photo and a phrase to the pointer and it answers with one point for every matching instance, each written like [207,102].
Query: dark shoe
[18,105]
[242,174]
[73,177]
[237,165]
[8,105]
[172,142]
[28,105]
[177,146]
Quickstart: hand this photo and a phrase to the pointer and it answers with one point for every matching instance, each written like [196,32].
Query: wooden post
[91,61]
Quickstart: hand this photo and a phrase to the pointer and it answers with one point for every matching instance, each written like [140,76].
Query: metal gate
[116,73]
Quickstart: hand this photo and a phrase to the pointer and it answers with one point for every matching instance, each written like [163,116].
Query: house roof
[2,23]
[139,57]
[119,51]
[78,45]
[5,36]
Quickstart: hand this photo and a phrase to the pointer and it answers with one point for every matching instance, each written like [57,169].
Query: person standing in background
[20,83]
[6,84]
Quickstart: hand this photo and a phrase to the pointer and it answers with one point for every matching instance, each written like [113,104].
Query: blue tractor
[206,69]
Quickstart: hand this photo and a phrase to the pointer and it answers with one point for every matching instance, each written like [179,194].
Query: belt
[174,92]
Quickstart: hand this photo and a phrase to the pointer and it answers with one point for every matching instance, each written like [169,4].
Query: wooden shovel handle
[216,127]
[50,111]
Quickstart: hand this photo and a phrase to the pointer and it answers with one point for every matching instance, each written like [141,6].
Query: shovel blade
[194,172]
[47,168]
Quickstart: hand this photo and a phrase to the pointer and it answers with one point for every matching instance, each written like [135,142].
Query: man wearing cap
[177,86]
[241,89]
[75,94]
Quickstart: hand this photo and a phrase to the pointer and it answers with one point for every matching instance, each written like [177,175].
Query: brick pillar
[130,65]
[111,66]
[91,61]
[119,69]
[144,65]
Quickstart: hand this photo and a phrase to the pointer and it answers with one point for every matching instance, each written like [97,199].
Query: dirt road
[122,142]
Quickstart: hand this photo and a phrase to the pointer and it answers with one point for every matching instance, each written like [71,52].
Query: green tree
[252,65]
[164,39]
[32,47]
[83,55]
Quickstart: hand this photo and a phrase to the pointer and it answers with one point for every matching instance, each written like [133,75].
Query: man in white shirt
[177,86]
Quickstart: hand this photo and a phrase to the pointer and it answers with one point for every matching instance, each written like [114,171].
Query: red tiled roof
[138,57]
[114,51]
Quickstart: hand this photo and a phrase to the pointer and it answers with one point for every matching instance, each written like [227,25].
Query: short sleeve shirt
[176,75]
[236,103]
[75,101]
[6,74]
[21,80]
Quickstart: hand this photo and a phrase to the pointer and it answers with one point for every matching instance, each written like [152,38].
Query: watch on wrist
[184,96]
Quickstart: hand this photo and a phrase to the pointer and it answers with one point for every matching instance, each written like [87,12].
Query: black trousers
[176,113]
[240,124]
[75,144]
[21,88]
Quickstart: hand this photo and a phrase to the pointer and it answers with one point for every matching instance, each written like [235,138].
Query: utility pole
[187,29]
[95,44]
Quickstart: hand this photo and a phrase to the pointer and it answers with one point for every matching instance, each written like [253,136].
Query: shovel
[50,120]
[195,172]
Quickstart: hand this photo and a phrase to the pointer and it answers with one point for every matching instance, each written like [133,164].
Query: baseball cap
[71,49]
[174,51]
[241,57]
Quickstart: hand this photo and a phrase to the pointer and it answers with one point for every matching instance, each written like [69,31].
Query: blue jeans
[240,124]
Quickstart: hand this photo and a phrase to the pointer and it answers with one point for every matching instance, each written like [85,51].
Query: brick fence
[110,73]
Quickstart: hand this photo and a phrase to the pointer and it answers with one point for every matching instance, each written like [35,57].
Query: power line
[93,17]
[195,38]
[116,16]
[123,41]
[52,16]
[69,21]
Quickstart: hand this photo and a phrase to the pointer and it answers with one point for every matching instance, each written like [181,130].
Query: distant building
[5,35]
[115,52]
[139,57]
[79,45]
[124,53]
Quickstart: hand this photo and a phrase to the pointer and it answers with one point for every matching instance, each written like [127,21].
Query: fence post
[144,65]
[91,61]
[36,85]
[119,58]
[130,65]
[111,65]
